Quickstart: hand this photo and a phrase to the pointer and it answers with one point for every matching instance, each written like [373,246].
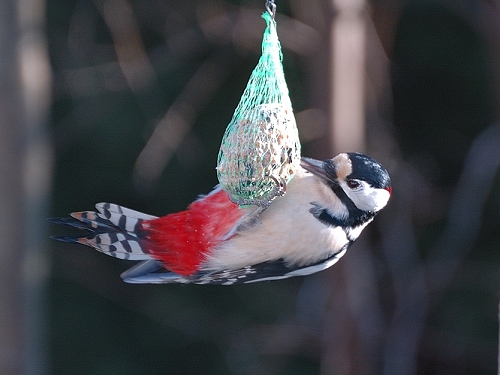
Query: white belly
[287,230]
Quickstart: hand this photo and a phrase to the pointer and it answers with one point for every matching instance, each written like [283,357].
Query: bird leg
[278,190]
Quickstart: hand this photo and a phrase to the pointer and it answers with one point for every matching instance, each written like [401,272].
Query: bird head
[356,179]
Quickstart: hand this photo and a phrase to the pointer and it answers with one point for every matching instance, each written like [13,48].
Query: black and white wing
[266,271]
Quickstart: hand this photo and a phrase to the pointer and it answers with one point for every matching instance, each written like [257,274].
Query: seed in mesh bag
[251,161]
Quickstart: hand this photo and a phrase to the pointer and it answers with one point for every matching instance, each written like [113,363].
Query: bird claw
[278,190]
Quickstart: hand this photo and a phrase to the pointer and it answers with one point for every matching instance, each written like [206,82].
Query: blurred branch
[35,81]
[348,53]
[342,342]
[464,219]
[133,60]
[406,323]
[24,185]
[418,286]
[128,43]
[180,117]
[12,220]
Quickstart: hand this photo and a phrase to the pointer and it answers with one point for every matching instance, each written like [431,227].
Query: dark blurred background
[126,101]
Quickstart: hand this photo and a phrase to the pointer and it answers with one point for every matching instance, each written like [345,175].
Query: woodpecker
[214,241]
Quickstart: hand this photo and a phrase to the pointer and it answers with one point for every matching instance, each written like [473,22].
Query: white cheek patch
[381,198]
[368,198]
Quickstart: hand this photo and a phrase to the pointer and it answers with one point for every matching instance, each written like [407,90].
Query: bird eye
[353,184]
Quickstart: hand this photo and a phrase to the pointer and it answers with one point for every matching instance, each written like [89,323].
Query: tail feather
[68,239]
[113,230]
[117,245]
[73,222]
[124,218]
[94,222]
[142,268]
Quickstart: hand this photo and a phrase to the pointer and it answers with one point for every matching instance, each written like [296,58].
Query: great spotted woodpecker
[326,206]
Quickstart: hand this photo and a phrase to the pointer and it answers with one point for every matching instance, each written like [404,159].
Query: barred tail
[112,230]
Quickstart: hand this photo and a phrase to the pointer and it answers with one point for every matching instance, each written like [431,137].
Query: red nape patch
[181,240]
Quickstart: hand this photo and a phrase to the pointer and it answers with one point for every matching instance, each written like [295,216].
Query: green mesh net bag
[260,150]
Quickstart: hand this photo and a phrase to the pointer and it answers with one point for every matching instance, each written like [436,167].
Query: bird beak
[316,167]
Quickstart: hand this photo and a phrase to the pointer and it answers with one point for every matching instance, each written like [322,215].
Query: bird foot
[278,190]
